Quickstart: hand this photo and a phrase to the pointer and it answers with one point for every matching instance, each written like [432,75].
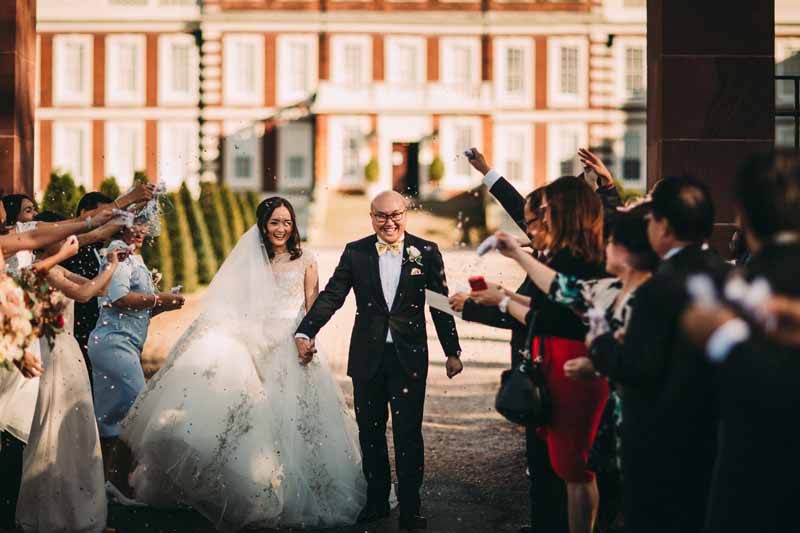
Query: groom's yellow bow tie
[395,248]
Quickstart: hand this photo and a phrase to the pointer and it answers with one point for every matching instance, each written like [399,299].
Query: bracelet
[116,204]
[155,301]
[89,223]
[503,305]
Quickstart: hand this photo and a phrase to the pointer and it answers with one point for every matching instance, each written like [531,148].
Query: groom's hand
[305,350]
[453,366]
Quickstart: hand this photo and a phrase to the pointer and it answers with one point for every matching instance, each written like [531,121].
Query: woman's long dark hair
[574,218]
[263,214]
[13,205]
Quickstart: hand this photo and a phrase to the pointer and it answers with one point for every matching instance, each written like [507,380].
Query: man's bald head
[388,212]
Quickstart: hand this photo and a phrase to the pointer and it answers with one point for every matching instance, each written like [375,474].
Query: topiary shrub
[214,214]
[248,211]
[157,255]
[61,195]
[254,198]
[184,259]
[233,213]
[627,195]
[372,171]
[110,187]
[436,170]
[201,241]
[140,177]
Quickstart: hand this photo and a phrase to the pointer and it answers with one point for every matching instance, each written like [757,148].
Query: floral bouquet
[46,304]
[16,330]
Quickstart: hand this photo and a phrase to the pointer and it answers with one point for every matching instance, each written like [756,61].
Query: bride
[232,425]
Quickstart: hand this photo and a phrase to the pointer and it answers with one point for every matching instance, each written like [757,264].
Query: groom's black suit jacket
[358,269]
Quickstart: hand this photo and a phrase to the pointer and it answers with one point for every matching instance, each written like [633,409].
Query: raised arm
[85,291]
[68,248]
[505,193]
[44,236]
[330,299]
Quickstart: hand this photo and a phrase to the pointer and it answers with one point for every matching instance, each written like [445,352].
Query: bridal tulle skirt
[234,427]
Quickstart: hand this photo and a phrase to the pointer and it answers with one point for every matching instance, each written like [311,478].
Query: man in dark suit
[755,485]
[669,404]
[388,361]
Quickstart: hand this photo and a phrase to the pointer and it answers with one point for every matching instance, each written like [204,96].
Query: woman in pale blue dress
[115,349]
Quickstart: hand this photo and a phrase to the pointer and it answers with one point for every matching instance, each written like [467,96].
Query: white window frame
[619,149]
[555,149]
[243,137]
[116,95]
[447,62]
[295,140]
[60,156]
[502,155]
[337,129]
[392,58]
[191,164]
[500,47]
[167,94]
[339,43]
[451,152]
[232,94]
[555,97]
[286,93]
[61,94]
[783,50]
[621,45]
[112,150]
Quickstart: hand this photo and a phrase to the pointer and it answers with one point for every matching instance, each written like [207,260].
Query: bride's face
[280,227]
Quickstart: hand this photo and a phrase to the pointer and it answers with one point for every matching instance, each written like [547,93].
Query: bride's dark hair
[263,214]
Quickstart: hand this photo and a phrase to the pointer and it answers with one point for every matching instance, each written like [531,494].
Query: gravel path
[475,461]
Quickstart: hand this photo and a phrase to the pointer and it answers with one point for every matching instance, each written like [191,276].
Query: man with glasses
[388,361]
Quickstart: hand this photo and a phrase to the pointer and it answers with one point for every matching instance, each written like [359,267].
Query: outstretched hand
[453,366]
[478,162]
[591,162]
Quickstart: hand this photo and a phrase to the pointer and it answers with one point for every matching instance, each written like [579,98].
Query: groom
[388,361]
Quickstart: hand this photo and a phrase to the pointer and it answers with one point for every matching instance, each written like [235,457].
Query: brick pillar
[711,91]
[487,58]
[377,57]
[324,59]
[17,86]
[433,58]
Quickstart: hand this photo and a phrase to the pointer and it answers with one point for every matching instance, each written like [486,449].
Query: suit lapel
[404,270]
[375,272]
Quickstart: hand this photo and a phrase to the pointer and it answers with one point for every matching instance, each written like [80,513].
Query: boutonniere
[414,255]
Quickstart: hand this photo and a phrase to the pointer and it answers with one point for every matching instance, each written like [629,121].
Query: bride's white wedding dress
[232,425]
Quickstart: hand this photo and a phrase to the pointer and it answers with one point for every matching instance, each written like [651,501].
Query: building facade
[295,95]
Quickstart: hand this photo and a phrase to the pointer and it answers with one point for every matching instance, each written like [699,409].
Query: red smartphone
[477,283]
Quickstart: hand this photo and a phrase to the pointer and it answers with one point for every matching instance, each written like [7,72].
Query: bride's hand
[305,350]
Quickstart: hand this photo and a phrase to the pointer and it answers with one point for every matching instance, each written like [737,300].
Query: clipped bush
[214,214]
[157,255]
[201,241]
[254,198]
[233,213]
[184,259]
[436,170]
[140,177]
[110,187]
[248,211]
[627,195]
[61,195]
[372,171]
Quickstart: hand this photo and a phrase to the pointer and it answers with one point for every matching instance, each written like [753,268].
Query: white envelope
[440,302]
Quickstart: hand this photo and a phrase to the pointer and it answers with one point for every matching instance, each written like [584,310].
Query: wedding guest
[574,218]
[755,482]
[19,208]
[669,408]
[115,348]
[62,456]
[546,494]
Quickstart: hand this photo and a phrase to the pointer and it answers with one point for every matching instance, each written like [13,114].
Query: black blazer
[669,401]
[358,270]
[755,487]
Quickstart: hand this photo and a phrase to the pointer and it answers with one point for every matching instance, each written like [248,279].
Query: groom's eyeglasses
[381,218]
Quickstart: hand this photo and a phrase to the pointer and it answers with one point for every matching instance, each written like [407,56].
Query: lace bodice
[290,284]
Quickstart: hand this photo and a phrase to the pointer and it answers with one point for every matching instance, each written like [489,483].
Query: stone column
[711,96]
[17,86]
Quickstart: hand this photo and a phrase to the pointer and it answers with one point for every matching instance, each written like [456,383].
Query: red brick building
[190,93]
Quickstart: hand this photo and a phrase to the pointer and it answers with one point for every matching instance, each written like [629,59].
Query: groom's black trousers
[391,387]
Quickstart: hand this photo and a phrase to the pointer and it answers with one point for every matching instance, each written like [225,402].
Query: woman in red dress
[573,215]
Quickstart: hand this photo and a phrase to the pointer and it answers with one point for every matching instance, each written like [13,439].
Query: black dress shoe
[412,522]
[371,513]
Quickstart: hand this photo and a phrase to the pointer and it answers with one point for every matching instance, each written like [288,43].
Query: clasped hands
[306,348]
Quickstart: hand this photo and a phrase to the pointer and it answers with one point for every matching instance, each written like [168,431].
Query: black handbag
[523,397]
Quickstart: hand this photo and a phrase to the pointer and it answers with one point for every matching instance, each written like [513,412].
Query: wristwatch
[503,305]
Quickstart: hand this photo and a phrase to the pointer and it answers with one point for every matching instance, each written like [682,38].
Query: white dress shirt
[390,267]
[491,178]
[726,338]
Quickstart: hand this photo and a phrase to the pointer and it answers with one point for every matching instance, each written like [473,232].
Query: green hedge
[233,213]
[110,187]
[248,211]
[206,259]
[157,254]
[183,256]
[214,214]
[61,195]
[255,199]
